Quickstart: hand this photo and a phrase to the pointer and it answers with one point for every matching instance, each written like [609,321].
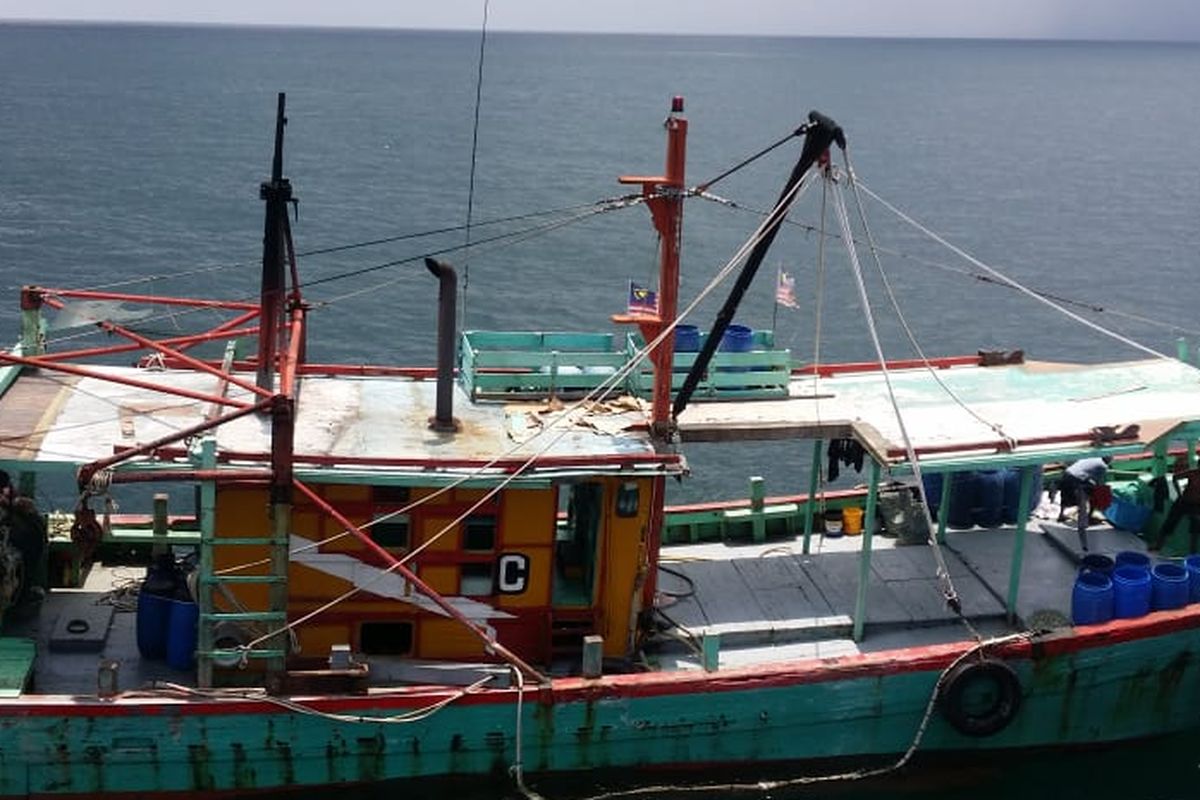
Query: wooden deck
[772,602]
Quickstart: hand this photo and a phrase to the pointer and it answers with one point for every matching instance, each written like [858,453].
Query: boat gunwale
[923,658]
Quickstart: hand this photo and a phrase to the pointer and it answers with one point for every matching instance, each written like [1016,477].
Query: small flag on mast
[642,300]
[785,291]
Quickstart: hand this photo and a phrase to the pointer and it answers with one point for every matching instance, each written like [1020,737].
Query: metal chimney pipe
[443,420]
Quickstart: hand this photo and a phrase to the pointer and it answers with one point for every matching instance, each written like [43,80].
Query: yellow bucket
[852,520]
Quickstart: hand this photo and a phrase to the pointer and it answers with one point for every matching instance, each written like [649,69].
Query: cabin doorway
[581,507]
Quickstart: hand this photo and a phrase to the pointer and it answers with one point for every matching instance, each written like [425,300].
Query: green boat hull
[1127,679]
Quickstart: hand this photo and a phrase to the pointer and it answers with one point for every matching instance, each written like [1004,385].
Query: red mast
[664,196]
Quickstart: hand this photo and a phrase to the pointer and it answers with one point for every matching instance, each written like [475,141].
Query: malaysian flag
[642,300]
[785,291]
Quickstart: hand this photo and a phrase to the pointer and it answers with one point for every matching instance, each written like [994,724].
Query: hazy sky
[1090,19]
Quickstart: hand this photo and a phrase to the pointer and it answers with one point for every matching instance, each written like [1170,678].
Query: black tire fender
[994,718]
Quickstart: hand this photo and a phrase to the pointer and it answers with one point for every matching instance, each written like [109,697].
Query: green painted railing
[762,372]
[503,365]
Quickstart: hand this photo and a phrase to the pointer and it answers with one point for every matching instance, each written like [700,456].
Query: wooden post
[813,484]
[33,327]
[593,656]
[864,561]
[758,522]
[1014,575]
[710,647]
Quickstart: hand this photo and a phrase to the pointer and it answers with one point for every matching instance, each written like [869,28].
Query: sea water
[130,158]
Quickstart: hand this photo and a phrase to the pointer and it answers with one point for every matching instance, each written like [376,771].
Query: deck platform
[771,602]
[1044,409]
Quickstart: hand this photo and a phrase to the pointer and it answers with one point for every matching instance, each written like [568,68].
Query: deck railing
[508,365]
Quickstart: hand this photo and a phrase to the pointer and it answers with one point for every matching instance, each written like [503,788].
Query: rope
[260,695]
[908,332]
[943,572]
[517,770]
[854,775]
[1015,284]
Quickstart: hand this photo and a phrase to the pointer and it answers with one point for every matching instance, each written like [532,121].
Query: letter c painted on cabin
[512,573]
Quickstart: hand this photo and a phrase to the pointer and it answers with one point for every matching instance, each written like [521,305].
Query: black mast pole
[820,132]
[277,193]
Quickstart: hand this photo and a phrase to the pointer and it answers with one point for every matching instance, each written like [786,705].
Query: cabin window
[479,533]
[391,531]
[390,495]
[627,499]
[386,638]
[476,580]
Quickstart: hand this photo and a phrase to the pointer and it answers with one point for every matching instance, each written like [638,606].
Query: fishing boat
[346,575]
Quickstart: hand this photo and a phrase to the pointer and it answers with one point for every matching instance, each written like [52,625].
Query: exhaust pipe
[443,420]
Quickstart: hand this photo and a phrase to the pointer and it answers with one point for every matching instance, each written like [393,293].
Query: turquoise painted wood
[1105,693]
[763,372]
[508,364]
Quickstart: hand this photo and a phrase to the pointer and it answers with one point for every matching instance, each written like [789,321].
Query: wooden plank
[723,594]
[29,409]
[836,576]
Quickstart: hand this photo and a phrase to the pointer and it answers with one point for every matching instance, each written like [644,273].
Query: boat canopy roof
[372,422]
[974,416]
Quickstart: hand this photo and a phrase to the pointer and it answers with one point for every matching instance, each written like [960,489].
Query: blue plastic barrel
[989,508]
[964,491]
[1131,591]
[687,339]
[1192,564]
[737,339]
[1132,558]
[181,634]
[1168,586]
[1012,492]
[1092,600]
[153,611]
[1096,562]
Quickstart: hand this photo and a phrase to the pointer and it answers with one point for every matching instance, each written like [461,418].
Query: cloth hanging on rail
[845,452]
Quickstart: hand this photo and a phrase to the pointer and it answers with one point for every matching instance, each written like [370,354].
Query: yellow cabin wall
[438,637]
[526,525]
[623,556]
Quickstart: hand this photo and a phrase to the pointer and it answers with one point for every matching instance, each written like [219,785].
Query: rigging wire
[908,332]
[592,211]
[597,394]
[505,240]
[474,154]
[943,571]
[584,211]
[1020,287]
[339,248]
[981,277]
